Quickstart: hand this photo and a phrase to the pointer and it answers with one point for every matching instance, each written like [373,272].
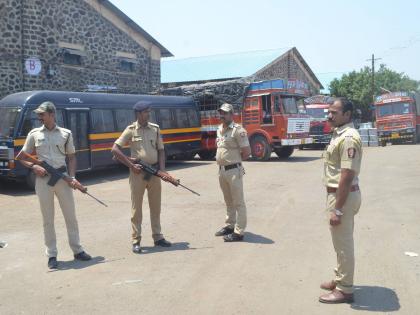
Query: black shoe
[52,263]
[224,231]
[234,237]
[163,243]
[83,256]
[136,248]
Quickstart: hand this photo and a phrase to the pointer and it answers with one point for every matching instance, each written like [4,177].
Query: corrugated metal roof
[236,65]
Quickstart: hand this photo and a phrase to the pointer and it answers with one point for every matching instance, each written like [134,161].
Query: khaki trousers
[232,187]
[64,195]
[138,186]
[342,238]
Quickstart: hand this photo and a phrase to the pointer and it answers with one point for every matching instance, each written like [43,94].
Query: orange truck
[273,113]
[398,117]
[320,130]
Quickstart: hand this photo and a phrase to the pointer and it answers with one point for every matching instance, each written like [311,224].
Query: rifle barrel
[101,202]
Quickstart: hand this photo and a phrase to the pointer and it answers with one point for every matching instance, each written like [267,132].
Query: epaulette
[154,125]
[64,129]
[34,130]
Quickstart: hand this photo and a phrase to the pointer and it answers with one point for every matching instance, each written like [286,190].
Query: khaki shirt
[229,144]
[144,142]
[50,146]
[344,151]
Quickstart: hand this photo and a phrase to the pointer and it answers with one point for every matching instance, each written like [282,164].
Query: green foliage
[357,86]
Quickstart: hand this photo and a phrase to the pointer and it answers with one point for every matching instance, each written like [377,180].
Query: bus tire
[30,180]
[207,155]
[260,148]
[284,152]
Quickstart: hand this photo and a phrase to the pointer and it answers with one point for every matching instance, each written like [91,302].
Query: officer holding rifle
[53,144]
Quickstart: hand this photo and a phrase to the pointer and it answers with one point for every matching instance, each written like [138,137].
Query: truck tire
[260,148]
[285,152]
[30,180]
[207,155]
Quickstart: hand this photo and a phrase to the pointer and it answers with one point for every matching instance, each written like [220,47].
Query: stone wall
[49,24]
[10,48]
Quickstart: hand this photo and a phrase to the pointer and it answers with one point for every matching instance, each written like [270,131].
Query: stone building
[75,45]
[223,78]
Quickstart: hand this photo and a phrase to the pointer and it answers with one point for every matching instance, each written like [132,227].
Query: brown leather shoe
[336,297]
[330,285]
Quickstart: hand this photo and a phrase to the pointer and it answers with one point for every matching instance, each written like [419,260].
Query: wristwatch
[338,212]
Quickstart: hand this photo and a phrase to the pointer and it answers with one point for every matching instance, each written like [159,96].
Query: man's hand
[166,177]
[75,184]
[334,219]
[136,168]
[39,170]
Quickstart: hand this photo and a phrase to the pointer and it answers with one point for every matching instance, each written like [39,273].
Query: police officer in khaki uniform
[341,170]
[232,148]
[53,145]
[146,144]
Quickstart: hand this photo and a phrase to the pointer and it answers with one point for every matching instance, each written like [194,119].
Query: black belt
[229,167]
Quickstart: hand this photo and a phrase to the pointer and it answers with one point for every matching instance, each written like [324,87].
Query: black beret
[141,106]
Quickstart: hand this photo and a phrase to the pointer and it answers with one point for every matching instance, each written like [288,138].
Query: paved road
[277,270]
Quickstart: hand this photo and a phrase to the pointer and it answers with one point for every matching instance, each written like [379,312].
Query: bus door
[78,123]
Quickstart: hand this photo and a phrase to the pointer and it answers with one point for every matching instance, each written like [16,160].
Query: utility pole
[373,75]
[373,80]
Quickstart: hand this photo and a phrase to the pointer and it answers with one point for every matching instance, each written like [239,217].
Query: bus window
[8,118]
[193,118]
[153,116]
[31,121]
[165,117]
[102,120]
[181,118]
[124,118]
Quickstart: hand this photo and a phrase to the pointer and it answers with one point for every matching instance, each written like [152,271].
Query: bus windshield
[317,112]
[8,116]
[394,109]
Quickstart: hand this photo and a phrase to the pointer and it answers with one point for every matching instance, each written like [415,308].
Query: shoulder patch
[351,153]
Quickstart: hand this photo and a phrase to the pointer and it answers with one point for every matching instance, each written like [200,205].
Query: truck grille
[317,130]
[298,125]
[6,154]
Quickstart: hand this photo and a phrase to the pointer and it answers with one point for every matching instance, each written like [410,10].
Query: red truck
[320,129]
[398,117]
[270,114]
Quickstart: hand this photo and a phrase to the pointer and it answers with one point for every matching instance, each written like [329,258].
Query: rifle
[148,169]
[153,171]
[56,174]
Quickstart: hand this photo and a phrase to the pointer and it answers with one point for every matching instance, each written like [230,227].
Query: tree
[357,86]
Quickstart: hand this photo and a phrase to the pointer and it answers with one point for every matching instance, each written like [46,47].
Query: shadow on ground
[256,239]
[375,299]
[178,246]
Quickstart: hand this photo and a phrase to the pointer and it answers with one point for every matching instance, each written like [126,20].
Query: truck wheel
[207,155]
[30,180]
[260,148]
[285,152]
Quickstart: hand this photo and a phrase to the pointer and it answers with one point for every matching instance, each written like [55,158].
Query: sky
[334,37]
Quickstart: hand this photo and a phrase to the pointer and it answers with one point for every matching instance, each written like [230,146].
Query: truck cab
[397,118]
